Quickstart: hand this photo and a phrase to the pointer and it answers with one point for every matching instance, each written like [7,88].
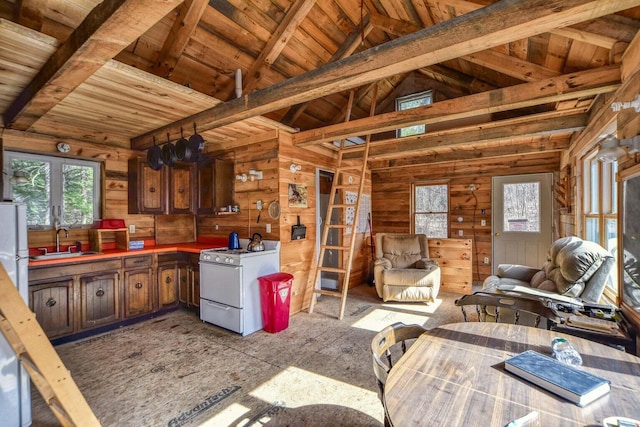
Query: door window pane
[522,207]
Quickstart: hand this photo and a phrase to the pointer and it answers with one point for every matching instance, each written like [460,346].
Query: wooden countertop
[110,253]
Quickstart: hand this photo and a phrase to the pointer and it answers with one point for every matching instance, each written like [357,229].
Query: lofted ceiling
[507,77]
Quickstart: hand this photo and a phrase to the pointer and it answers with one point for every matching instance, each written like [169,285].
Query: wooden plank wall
[114,194]
[391,196]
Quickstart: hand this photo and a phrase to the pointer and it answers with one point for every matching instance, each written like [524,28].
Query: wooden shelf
[97,238]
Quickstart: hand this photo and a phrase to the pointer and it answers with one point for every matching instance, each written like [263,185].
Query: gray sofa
[403,270]
[575,268]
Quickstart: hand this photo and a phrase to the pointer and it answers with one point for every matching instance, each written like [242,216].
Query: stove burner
[231,251]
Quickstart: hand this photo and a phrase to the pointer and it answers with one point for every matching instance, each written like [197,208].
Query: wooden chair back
[482,300]
[383,350]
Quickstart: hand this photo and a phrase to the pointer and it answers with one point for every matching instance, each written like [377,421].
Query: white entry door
[521,219]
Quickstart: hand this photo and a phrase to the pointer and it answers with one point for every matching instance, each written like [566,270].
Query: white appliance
[15,394]
[229,287]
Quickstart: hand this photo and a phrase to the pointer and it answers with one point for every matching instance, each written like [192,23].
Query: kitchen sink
[56,255]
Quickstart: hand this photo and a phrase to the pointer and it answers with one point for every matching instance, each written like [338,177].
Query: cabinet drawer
[137,261]
[221,315]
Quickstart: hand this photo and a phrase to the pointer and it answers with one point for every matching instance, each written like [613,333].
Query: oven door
[221,283]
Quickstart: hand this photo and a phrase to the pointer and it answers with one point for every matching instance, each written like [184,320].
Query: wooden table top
[454,375]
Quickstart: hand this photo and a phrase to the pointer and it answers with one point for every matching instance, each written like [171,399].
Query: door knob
[497,234]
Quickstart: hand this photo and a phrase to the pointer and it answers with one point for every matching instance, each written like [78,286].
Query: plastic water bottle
[564,352]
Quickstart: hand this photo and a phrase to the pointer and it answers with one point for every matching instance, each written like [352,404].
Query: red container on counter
[275,297]
[109,223]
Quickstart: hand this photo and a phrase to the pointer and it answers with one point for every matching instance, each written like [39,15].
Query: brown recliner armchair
[403,270]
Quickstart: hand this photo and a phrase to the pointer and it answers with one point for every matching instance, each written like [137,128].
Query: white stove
[229,286]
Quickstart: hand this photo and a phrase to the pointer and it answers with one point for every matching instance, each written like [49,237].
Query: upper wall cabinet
[215,185]
[166,191]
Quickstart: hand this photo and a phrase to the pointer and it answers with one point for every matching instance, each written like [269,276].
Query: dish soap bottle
[564,352]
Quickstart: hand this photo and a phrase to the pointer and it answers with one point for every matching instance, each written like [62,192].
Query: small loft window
[412,101]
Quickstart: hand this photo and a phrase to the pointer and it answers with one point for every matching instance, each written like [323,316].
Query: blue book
[567,381]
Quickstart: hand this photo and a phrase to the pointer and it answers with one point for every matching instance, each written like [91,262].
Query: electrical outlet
[486,260]
[132,229]
[268,228]
[217,227]
[483,222]
[460,233]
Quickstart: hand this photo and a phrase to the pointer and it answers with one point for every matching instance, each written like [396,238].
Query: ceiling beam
[109,28]
[568,86]
[277,42]
[516,147]
[183,27]
[534,126]
[490,26]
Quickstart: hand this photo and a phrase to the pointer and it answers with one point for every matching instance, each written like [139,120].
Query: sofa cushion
[564,286]
[538,278]
[579,260]
[403,251]
[558,245]
[410,277]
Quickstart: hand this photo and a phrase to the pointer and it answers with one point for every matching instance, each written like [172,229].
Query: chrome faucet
[66,235]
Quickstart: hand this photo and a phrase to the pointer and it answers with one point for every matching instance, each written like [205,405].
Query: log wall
[391,197]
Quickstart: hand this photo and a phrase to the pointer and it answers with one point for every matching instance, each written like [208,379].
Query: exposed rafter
[109,28]
[183,27]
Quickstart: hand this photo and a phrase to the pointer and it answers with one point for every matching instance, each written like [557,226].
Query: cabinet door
[99,299]
[184,283]
[147,188]
[181,189]
[168,285]
[138,295]
[224,183]
[52,304]
[195,286]
[205,187]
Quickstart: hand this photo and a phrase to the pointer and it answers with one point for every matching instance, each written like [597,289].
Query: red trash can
[275,296]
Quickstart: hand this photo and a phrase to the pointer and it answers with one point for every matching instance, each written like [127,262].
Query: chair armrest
[515,271]
[427,263]
[382,263]
[551,297]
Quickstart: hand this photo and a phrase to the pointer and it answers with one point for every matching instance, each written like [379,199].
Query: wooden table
[454,376]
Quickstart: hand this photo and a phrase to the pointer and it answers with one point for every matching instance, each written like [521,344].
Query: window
[58,191]
[412,101]
[521,205]
[431,209]
[600,207]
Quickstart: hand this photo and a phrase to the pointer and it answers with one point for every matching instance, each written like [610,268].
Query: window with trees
[600,208]
[413,101]
[57,191]
[431,209]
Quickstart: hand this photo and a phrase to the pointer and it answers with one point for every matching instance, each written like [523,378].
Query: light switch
[460,233]
[268,228]
[132,229]
[483,222]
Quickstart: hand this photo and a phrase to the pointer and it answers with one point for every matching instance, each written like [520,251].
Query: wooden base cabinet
[99,299]
[138,292]
[168,286]
[52,303]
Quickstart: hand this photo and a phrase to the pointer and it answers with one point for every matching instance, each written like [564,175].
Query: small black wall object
[298,231]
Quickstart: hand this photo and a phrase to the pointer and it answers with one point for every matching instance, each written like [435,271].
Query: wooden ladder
[34,350]
[349,176]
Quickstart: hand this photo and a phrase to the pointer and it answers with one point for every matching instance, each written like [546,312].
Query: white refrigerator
[15,394]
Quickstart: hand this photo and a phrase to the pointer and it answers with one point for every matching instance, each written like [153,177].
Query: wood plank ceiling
[511,76]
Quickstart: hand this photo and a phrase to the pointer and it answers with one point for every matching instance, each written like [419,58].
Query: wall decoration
[298,196]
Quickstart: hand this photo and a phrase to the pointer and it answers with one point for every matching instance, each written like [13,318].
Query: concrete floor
[175,370]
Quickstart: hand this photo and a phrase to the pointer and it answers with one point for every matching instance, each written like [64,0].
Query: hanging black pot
[169,156]
[183,151]
[154,157]
[196,145]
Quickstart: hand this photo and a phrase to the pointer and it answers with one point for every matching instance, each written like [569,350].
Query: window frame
[408,98]
[605,201]
[56,197]
[414,213]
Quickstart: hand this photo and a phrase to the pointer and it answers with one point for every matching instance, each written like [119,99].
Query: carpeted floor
[175,370]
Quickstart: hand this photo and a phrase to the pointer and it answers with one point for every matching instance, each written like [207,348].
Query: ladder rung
[339,248]
[332,269]
[327,292]
[343,205]
[343,186]
[339,225]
